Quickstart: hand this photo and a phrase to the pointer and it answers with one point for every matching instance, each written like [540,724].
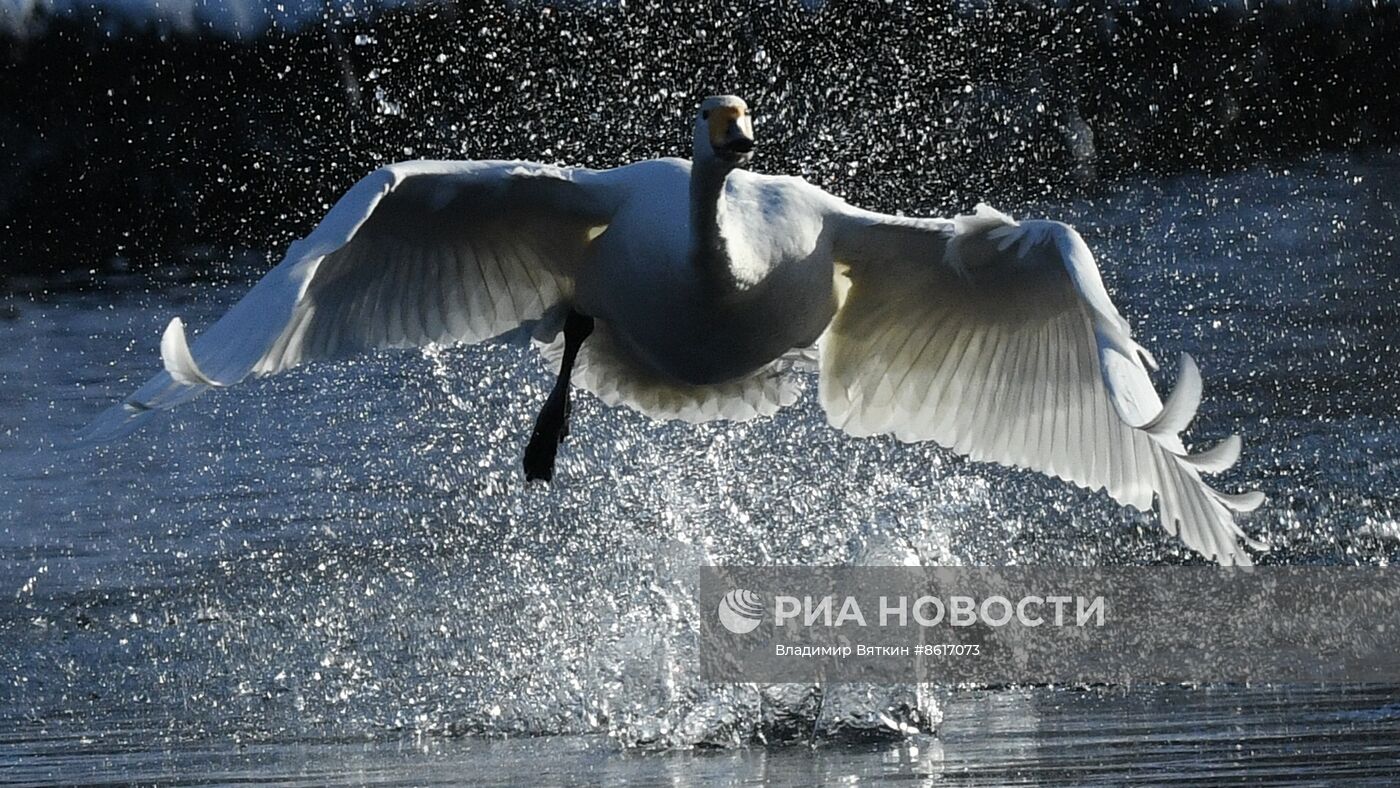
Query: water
[340,572]
[1008,737]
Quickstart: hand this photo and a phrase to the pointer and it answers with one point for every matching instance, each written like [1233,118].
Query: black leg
[552,425]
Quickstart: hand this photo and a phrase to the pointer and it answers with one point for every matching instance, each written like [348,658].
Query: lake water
[340,575]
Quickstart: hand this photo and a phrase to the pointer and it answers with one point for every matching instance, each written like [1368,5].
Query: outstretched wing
[997,339]
[415,253]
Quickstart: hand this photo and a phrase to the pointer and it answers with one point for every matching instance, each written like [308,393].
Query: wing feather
[415,253]
[998,339]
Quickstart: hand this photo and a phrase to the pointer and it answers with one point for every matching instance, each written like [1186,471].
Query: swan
[698,290]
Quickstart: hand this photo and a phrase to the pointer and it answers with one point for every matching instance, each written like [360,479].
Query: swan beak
[731,132]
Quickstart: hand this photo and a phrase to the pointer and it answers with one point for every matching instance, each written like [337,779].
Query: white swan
[695,290]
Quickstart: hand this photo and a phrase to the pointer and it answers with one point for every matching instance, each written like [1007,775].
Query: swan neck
[707,179]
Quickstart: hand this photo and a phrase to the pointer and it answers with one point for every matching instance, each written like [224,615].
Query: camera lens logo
[740,611]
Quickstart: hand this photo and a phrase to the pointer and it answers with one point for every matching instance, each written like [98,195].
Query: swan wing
[997,339]
[428,252]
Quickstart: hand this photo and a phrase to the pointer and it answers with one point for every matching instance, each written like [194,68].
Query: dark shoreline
[122,152]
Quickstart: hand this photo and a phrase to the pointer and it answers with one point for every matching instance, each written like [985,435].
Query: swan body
[645,280]
[696,290]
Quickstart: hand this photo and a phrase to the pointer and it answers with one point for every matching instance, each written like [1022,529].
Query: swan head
[724,131]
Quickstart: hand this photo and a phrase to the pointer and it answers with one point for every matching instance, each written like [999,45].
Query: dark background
[128,147]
